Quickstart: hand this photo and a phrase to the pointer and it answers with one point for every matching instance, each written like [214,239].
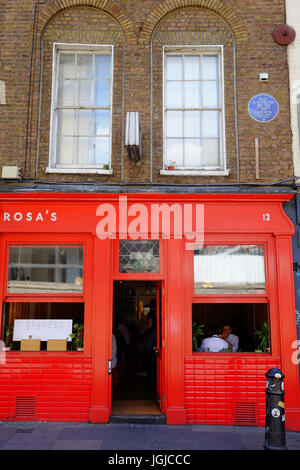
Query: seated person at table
[231,340]
[213,343]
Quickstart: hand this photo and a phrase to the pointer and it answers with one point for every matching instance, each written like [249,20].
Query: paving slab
[86,436]
[82,444]
[6,432]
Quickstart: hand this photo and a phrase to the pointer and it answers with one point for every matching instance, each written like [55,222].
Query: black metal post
[275,416]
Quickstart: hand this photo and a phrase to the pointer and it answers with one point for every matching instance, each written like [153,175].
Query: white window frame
[220,170]
[106,49]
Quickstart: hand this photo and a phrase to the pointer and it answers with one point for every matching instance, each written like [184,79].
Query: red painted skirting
[60,385]
[215,386]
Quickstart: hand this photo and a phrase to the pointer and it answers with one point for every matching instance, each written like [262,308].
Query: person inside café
[231,339]
[214,343]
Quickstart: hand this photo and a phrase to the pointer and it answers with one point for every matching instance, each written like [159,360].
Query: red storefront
[245,233]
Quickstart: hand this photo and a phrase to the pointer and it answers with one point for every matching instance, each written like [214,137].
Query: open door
[136,375]
[159,347]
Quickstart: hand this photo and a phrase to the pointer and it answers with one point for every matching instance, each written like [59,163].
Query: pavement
[120,437]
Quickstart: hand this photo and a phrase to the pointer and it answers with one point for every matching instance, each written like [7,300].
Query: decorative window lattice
[139,256]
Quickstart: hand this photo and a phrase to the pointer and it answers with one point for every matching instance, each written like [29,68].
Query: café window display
[231,327]
[223,273]
[36,323]
[35,326]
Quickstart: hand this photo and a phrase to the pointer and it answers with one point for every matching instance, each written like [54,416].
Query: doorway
[137,336]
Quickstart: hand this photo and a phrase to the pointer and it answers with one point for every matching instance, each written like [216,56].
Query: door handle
[109,367]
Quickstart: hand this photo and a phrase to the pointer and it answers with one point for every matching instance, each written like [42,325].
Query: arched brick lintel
[213,6]
[113,9]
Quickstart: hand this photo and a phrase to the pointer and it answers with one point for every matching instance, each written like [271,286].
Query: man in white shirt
[213,344]
[231,340]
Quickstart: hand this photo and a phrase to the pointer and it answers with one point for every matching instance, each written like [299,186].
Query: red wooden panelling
[216,388]
[60,387]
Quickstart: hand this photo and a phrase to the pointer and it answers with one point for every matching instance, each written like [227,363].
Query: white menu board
[42,329]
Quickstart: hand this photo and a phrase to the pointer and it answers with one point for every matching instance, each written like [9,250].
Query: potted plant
[171,166]
[8,337]
[197,330]
[77,336]
[263,338]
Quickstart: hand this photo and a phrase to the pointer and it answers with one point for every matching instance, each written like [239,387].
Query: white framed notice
[42,329]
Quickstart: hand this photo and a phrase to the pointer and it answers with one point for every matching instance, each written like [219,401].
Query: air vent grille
[25,406]
[245,414]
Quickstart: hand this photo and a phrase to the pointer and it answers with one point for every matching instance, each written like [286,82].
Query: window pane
[84,92]
[83,82]
[238,322]
[102,122]
[229,269]
[64,150]
[102,93]
[192,95]
[210,94]
[174,152]
[192,152]
[57,268]
[101,150]
[192,124]
[211,152]
[66,66]
[191,67]
[84,122]
[174,67]
[65,122]
[65,93]
[210,124]
[139,256]
[174,124]
[84,151]
[102,66]
[210,67]
[193,82]
[44,321]
[174,95]
[84,66]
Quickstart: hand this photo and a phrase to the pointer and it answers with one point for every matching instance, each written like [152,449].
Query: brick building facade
[71,71]
[138,33]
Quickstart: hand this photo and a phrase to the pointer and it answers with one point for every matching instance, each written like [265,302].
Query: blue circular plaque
[263,108]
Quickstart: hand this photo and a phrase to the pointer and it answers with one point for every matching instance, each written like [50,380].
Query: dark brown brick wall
[252,23]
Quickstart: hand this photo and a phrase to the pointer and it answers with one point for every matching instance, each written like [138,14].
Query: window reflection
[229,269]
[36,269]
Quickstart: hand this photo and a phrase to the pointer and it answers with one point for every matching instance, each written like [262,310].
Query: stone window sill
[84,171]
[194,172]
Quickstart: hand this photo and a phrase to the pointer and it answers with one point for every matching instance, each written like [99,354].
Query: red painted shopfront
[194,387]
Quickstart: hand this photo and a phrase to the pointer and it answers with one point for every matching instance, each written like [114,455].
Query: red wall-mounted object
[203,388]
[284,34]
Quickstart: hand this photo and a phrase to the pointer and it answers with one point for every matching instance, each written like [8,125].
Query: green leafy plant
[8,336]
[77,335]
[197,330]
[263,338]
